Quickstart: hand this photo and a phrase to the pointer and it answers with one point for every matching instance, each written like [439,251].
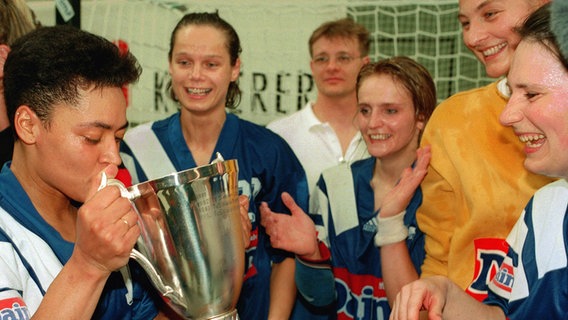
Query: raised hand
[399,197]
[295,233]
[440,298]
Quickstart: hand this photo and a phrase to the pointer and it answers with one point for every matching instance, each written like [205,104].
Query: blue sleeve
[114,302]
[495,300]
[145,295]
[287,174]
[267,168]
[315,283]
[315,280]
[292,180]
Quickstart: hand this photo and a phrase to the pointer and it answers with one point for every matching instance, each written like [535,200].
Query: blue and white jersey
[32,254]
[343,211]
[267,167]
[532,282]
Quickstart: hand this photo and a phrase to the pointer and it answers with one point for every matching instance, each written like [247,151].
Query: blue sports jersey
[532,282]
[32,253]
[355,260]
[267,167]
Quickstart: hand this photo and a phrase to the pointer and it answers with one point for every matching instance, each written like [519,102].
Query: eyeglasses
[342,60]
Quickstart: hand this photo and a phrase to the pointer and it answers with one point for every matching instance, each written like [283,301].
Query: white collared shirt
[315,143]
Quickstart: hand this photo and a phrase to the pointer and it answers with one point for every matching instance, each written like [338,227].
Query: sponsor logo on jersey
[370,226]
[411,233]
[504,279]
[251,190]
[360,296]
[489,255]
[13,309]
[250,269]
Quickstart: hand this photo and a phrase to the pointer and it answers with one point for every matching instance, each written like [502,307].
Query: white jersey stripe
[29,258]
[341,197]
[149,151]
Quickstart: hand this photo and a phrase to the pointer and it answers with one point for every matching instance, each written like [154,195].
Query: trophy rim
[217,168]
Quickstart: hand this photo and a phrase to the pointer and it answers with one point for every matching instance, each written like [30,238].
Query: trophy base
[231,315]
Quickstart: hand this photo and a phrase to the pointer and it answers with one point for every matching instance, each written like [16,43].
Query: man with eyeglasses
[322,134]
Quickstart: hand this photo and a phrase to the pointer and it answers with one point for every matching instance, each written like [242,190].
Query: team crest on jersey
[489,255]
[13,309]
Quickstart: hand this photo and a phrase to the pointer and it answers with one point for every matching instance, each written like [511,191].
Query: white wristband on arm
[390,230]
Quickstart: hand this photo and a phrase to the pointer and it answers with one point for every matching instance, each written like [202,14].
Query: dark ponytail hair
[233,45]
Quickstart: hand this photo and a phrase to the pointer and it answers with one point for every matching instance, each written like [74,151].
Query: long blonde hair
[16,19]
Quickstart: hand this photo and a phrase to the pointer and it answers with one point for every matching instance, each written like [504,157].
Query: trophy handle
[115,182]
[148,267]
[165,290]
[155,278]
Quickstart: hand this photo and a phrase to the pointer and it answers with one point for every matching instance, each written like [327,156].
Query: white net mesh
[427,31]
[275,77]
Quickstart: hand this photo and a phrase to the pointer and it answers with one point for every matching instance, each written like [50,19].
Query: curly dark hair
[50,64]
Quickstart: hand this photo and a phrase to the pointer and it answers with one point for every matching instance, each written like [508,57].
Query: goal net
[427,31]
[275,74]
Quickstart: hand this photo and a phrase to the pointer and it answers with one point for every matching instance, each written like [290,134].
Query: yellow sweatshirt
[475,189]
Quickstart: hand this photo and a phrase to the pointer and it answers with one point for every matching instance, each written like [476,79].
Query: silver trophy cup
[191,243]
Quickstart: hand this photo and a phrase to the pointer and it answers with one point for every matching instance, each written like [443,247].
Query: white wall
[275,77]
[275,73]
